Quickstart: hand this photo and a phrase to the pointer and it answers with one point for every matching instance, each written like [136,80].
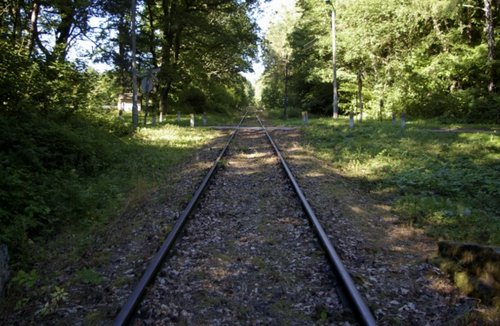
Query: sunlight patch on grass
[174,136]
[437,179]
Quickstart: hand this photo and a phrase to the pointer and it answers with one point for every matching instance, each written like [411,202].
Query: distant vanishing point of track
[244,251]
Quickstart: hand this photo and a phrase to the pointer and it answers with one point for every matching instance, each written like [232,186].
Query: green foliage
[25,280]
[55,172]
[21,81]
[193,100]
[88,275]
[425,58]
[447,181]
[56,297]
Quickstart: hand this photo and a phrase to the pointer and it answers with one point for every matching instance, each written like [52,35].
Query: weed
[88,275]
[25,280]
[57,296]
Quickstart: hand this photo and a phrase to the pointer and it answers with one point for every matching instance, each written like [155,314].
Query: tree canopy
[427,58]
[196,45]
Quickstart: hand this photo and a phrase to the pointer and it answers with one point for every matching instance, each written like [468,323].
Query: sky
[269,10]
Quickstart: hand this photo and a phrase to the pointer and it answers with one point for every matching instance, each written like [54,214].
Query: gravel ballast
[248,255]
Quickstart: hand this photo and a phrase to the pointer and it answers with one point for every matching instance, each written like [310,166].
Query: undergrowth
[78,171]
[448,182]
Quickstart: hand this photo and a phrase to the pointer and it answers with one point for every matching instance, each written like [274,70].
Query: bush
[193,100]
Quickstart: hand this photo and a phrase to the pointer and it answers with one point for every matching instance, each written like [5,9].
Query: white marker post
[191,120]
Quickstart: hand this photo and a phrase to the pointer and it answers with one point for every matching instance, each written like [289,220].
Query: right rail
[358,305]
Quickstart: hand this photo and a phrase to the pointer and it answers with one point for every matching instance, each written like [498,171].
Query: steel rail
[133,300]
[361,311]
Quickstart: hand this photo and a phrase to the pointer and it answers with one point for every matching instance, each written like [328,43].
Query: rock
[4,268]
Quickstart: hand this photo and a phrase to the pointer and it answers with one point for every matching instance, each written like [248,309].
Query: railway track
[248,254]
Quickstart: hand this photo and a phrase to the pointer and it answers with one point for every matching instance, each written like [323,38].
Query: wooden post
[204,119]
[334,62]
[178,116]
[381,112]
[351,120]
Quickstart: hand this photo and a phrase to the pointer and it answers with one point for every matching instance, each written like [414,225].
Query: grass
[447,182]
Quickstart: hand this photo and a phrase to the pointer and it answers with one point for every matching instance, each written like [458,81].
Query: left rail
[133,300]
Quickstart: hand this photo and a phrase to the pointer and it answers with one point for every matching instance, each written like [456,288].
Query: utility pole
[286,88]
[135,110]
[335,103]
[490,37]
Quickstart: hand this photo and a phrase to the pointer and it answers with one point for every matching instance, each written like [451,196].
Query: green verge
[60,172]
[447,182]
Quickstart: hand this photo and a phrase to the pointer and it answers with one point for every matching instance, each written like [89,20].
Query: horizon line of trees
[427,58]
[198,48]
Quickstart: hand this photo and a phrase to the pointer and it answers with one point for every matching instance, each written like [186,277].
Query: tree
[429,58]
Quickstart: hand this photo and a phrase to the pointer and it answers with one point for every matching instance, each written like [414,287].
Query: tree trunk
[33,27]
[169,7]
[152,33]
[285,100]
[16,22]
[121,61]
[164,100]
[360,95]
[439,34]
[335,103]
[63,32]
[146,109]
